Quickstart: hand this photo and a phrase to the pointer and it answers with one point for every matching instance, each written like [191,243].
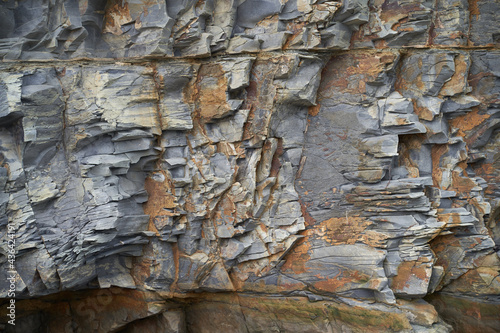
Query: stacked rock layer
[250,165]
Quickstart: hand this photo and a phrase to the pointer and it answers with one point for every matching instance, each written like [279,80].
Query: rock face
[250,165]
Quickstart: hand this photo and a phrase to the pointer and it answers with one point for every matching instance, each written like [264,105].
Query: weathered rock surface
[250,166]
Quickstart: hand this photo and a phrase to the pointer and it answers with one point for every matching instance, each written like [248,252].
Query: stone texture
[250,166]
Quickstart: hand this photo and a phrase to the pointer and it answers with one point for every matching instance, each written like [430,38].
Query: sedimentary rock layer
[271,165]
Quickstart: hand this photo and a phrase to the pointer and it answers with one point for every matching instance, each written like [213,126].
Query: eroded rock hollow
[250,165]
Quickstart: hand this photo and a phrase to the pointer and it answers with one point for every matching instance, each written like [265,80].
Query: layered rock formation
[251,165]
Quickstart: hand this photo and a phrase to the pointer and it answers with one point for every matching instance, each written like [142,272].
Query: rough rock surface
[250,165]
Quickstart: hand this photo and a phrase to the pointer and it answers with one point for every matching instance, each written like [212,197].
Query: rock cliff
[250,165]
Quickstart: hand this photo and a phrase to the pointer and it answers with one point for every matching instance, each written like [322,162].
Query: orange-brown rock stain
[373,238]
[334,231]
[343,230]
[314,110]
[276,161]
[341,282]
[447,217]
[394,11]
[141,267]
[423,113]
[441,243]
[407,270]
[295,29]
[406,144]
[398,24]
[443,247]
[461,185]
[309,220]
[349,73]
[176,253]
[225,212]
[488,172]
[161,199]
[299,255]
[458,81]
[146,4]
[261,91]
[474,9]
[159,205]
[468,121]
[231,149]
[211,86]
[437,151]
[4,164]
[117,13]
